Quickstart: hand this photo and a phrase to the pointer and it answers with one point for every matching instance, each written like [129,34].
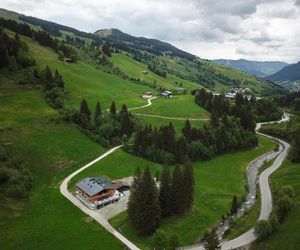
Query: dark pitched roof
[119,184]
[94,185]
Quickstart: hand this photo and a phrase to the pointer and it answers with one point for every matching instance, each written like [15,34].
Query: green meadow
[216,181]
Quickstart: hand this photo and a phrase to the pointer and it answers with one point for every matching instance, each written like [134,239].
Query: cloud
[207,28]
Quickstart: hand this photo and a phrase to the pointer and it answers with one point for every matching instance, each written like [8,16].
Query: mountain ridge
[257,68]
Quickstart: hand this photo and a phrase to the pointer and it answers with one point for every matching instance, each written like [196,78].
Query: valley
[99,85]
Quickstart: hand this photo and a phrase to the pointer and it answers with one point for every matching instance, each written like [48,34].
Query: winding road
[242,240]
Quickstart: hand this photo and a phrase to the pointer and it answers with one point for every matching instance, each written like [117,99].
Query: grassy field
[182,106]
[134,69]
[83,80]
[288,235]
[216,181]
[51,150]
[117,165]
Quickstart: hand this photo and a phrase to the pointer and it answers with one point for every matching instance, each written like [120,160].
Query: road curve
[144,106]
[266,194]
[96,216]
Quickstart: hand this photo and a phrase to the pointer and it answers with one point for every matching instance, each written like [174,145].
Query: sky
[250,29]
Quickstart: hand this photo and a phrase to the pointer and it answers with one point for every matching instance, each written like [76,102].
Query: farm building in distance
[166,94]
[147,95]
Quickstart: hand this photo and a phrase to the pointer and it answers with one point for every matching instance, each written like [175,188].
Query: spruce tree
[188,183]
[177,201]
[187,131]
[113,109]
[234,205]
[134,198]
[3,55]
[180,149]
[148,212]
[97,114]
[165,192]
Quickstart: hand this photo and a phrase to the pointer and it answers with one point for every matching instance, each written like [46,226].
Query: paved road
[266,194]
[93,213]
[244,239]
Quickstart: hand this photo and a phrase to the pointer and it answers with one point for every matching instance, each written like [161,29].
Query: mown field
[50,149]
[182,106]
[216,181]
[287,236]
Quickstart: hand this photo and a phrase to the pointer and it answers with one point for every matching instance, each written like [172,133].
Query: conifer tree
[143,207]
[234,205]
[188,182]
[177,192]
[165,192]
[135,196]
[113,109]
[97,114]
[180,149]
[187,131]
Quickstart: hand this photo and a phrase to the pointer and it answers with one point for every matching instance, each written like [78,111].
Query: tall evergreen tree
[3,55]
[165,192]
[188,183]
[147,214]
[98,113]
[177,192]
[113,109]
[234,205]
[187,131]
[180,149]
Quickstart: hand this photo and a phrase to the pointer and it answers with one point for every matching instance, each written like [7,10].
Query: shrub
[262,229]
[160,240]
[284,205]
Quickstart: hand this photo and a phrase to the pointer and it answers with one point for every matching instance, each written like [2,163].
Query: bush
[284,205]
[286,190]
[262,230]
[174,242]
[160,240]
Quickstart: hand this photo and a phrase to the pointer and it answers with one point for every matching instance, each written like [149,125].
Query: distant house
[69,60]
[166,94]
[230,95]
[180,90]
[95,188]
[147,95]
[145,72]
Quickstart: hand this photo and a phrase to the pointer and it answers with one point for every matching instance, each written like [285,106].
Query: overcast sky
[250,29]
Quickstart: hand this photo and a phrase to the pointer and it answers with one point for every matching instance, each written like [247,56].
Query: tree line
[107,128]
[41,36]
[14,53]
[248,111]
[214,138]
[148,204]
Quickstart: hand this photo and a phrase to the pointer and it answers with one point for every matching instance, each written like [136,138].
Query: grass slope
[287,237]
[50,150]
[216,181]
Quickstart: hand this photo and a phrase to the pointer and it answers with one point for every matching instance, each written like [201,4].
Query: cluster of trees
[283,205]
[41,36]
[289,131]
[53,86]
[215,138]
[75,40]
[248,111]
[148,204]
[15,179]
[13,53]
[107,128]
[291,100]
[157,66]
